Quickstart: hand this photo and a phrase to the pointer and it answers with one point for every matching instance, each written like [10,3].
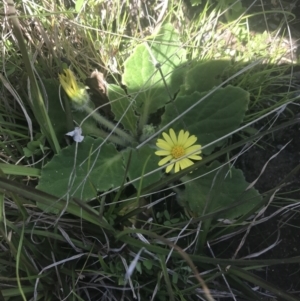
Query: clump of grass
[91,252]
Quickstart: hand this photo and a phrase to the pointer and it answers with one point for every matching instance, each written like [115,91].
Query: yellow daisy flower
[77,92]
[174,147]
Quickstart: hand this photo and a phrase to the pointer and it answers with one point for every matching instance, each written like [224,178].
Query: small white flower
[76,134]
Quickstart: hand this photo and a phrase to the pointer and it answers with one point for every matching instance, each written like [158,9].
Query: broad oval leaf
[84,172]
[207,190]
[120,103]
[203,76]
[141,76]
[142,161]
[215,116]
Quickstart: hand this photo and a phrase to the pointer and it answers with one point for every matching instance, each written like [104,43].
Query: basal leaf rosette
[94,167]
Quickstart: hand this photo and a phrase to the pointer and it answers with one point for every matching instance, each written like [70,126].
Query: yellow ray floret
[174,147]
[76,92]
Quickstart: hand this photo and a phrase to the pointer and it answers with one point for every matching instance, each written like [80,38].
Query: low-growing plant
[128,194]
[163,92]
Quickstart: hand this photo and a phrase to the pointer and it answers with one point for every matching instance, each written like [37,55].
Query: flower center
[177,151]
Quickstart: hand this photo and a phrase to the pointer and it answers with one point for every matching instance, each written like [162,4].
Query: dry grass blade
[90,249]
[36,101]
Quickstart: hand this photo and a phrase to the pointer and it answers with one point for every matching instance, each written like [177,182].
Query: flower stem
[100,133]
[144,117]
[111,126]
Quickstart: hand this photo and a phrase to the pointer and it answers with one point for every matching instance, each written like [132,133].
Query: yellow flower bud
[76,91]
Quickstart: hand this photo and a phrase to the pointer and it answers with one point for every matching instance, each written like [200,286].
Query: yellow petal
[169,168]
[184,163]
[195,157]
[160,140]
[164,160]
[195,149]
[181,140]
[190,141]
[177,167]
[168,139]
[163,145]
[186,136]
[162,153]
[173,137]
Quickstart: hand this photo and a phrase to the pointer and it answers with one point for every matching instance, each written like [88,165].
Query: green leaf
[119,102]
[142,161]
[204,76]
[78,5]
[141,76]
[175,278]
[235,11]
[86,179]
[138,267]
[148,263]
[55,111]
[217,115]
[196,2]
[36,146]
[27,152]
[206,192]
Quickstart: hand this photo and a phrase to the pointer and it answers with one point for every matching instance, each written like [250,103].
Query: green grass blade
[14,292]
[166,277]
[1,206]
[87,213]
[18,170]
[36,103]
[18,263]
[261,283]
